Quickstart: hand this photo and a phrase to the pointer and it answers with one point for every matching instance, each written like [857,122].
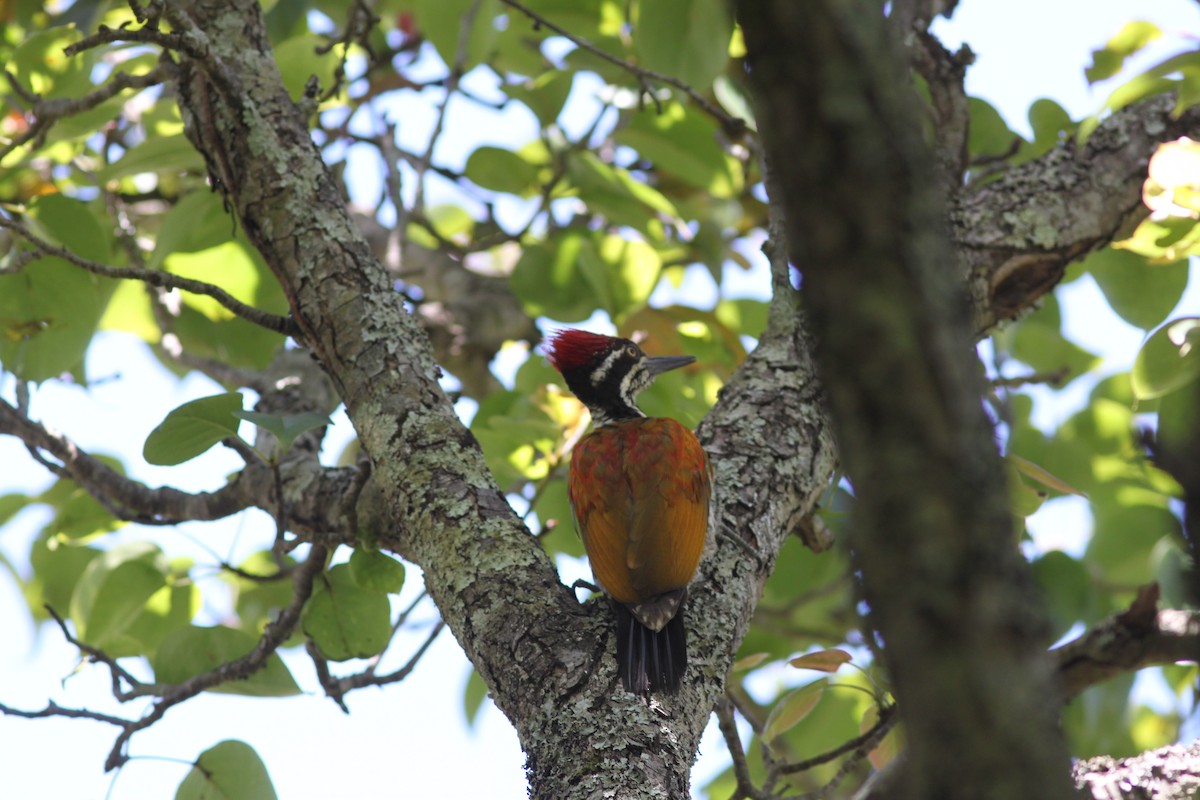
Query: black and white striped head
[606,373]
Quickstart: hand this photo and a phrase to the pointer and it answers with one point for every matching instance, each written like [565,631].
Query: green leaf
[113,591]
[441,23]
[42,67]
[621,272]
[230,770]
[1037,341]
[1041,475]
[502,170]
[1164,240]
[1179,418]
[82,517]
[617,195]
[193,428]
[1132,37]
[230,266]
[747,663]
[167,610]
[155,154]
[547,280]
[516,436]
[1141,294]
[1169,359]
[683,142]
[301,57]
[744,316]
[989,134]
[344,620]
[72,224]
[545,95]
[376,571]
[57,568]
[258,601]
[48,313]
[686,39]
[1049,121]
[285,427]
[1067,587]
[734,99]
[1125,534]
[191,651]
[794,707]
[11,505]
[197,222]
[473,696]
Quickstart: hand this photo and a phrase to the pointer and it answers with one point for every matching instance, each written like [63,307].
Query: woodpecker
[639,488]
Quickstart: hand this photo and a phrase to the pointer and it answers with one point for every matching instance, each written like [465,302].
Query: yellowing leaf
[823,660]
[794,707]
[1033,471]
[749,662]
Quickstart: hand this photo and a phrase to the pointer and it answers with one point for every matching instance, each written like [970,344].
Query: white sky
[410,739]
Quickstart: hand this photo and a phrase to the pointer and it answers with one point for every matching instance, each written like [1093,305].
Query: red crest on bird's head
[569,349]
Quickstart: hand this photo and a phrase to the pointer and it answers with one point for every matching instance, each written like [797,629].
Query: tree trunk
[948,590]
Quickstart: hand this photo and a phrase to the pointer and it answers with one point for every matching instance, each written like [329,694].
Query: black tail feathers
[649,660]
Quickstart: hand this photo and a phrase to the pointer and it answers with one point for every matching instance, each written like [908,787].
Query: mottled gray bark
[544,656]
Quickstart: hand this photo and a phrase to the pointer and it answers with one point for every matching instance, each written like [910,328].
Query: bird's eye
[631,350]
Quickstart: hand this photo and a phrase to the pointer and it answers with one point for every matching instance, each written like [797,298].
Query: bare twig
[1053,378]
[120,676]
[456,72]
[52,709]
[272,322]
[741,769]
[182,41]
[887,718]
[47,112]
[733,126]
[276,632]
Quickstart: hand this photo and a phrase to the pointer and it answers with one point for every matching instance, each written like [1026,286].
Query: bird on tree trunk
[639,488]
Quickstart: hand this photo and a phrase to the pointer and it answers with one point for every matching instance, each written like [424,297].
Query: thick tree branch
[1169,773]
[1015,236]
[127,499]
[1142,636]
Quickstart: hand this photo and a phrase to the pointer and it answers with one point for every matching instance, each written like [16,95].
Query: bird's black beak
[657,365]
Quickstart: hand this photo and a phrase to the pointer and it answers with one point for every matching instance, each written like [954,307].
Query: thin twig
[734,126]
[276,632]
[741,769]
[1053,378]
[47,112]
[272,322]
[887,718]
[118,672]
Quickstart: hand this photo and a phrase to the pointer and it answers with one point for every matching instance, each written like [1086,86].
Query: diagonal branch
[152,277]
[1014,236]
[274,635]
[1142,636]
[127,499]
[47,112]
